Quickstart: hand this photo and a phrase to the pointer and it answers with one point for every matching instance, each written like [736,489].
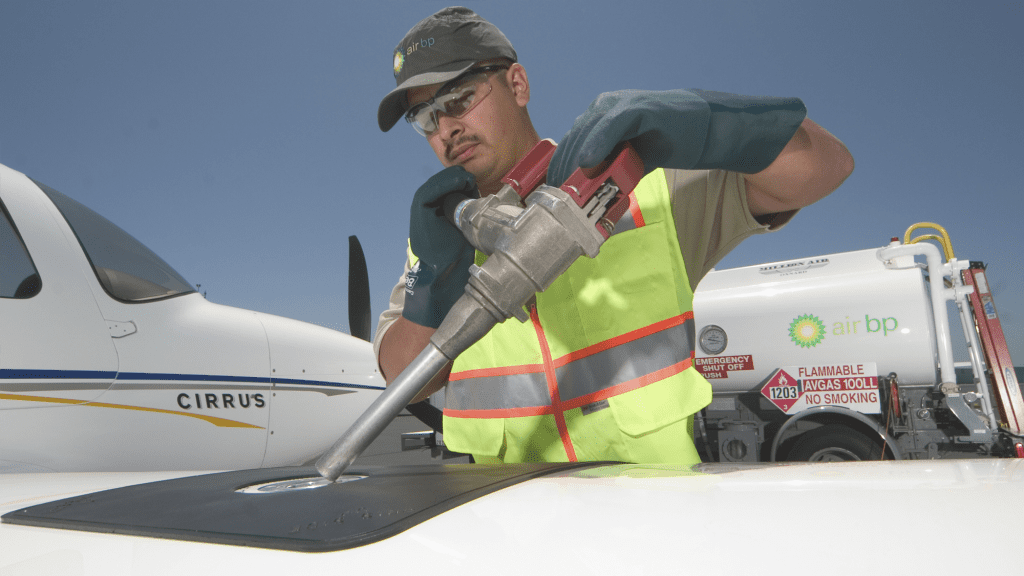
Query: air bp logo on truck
[808,330]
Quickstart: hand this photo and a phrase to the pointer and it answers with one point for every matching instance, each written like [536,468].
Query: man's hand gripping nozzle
[531,233]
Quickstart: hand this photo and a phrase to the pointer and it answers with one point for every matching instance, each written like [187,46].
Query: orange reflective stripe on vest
[597,372]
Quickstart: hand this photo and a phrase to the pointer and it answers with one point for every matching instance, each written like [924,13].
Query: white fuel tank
[836,310]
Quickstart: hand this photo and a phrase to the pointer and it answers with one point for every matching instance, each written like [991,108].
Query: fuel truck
[849,356]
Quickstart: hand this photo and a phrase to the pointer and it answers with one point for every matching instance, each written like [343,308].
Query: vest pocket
[483,436]
[657,405]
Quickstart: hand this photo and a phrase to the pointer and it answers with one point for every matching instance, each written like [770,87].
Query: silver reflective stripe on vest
[496,392]
[587,375]
[625,362]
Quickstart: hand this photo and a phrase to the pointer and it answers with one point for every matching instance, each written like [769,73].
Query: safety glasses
[455,99]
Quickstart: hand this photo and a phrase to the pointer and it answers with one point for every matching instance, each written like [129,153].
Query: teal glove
[686,129]
[439,278]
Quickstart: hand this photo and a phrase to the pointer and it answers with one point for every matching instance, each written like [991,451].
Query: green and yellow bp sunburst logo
[399,61]
[807,331]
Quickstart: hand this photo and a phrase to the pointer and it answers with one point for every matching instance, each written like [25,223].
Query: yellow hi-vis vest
[604,368]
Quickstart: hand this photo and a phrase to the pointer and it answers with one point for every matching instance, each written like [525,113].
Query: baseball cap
[437,49]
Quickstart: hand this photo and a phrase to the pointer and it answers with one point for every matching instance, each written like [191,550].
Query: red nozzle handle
[625,171]
[532,170]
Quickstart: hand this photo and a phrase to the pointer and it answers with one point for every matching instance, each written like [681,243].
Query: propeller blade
[358,291]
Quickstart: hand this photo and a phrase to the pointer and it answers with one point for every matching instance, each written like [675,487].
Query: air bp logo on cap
[399,61]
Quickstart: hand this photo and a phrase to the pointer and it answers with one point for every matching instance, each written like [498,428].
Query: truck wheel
[835,443]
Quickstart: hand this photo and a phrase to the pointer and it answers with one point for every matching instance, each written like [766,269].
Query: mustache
[455,144]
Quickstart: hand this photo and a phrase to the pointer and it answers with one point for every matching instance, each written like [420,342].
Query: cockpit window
[128,270]
[18,276]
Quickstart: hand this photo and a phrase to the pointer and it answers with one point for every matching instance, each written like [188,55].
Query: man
[603,370]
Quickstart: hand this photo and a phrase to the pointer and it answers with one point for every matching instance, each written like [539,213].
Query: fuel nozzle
[529,245]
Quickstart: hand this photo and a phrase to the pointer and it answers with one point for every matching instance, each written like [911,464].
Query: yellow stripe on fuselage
[221,422]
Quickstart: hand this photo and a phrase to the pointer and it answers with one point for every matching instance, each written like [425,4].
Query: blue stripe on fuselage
[27,374]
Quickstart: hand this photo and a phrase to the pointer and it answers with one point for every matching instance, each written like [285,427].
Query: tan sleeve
[395,305]
[712,217]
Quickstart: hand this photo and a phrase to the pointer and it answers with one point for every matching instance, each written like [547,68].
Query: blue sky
[239,141]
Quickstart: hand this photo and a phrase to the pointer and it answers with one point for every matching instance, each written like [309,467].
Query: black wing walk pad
[210,508]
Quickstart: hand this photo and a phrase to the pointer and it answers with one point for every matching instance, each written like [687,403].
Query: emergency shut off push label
[796,388]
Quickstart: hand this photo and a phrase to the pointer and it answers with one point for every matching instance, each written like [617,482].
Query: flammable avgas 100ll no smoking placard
[796,388]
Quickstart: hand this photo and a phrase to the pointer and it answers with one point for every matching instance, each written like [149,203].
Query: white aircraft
[592,518]
[111,361]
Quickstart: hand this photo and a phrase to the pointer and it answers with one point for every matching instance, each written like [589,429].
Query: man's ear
[520,84]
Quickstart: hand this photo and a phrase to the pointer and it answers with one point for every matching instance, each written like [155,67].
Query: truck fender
[889,441]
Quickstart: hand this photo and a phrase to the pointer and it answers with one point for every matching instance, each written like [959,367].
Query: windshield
[128,270]
[18,276]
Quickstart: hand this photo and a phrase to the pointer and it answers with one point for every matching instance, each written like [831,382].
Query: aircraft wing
[910,517]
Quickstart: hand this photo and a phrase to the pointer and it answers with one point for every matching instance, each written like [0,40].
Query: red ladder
[997,353]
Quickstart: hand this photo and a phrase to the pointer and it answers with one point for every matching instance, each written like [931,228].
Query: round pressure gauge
[712,340]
